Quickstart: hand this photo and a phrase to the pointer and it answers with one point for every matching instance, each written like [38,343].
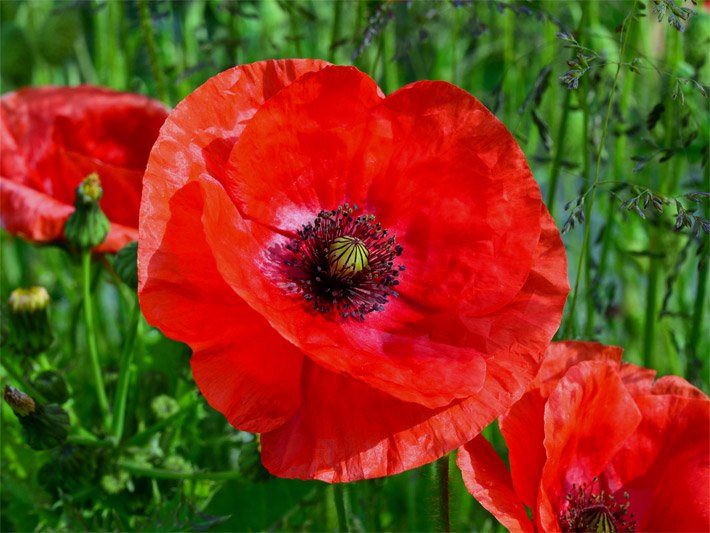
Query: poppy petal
[580,436]
[385,435]
[524,432]
[487,478]
[243,367]
[560,356]
[665,467]
[402,349]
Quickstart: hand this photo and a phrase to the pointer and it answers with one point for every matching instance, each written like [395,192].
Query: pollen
[343,263]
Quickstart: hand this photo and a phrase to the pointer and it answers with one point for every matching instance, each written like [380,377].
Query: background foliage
[608,102]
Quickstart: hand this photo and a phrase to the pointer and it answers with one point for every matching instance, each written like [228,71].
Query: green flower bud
[43,426]
[52,386]
[69,467]
[164,406]
[29,332]
[126,264]
[87,226]
[116,482]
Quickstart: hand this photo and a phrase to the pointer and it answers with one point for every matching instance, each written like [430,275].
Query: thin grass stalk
[342,506]
[695,360]
[557,159]
[335,31]
[587,225]
[147,33]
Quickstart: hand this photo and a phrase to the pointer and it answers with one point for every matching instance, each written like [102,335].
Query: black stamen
[344,264]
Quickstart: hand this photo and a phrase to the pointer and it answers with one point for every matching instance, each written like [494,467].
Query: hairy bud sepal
[87,226]
[43,426]
[29,331]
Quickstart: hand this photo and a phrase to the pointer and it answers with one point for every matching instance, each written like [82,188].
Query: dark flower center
[587,511]
[344,264]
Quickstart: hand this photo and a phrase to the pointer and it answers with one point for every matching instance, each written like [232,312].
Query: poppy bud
[87,226]
[126,264]
[43,426]
[29,329]
[52,386]
[68,467]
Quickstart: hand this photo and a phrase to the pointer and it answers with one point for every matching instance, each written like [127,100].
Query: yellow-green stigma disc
[347,256]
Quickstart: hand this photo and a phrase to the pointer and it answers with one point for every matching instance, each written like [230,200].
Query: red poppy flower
[53,137]
[595,445]
[360,341]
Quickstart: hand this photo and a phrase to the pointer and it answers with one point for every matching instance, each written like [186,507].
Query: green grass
[637,283]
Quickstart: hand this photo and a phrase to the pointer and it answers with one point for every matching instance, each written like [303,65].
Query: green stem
[140,438]
[557,160]
[697,326]
[147,32]
[335,34]
[20,378]
[91,334]
[587,225]
[342,506]
[119,404]
[649,359]
[442,474]
[160,473]
[91,441]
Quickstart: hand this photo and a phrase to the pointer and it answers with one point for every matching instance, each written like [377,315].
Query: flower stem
[91,335]
[20,378]
[442,475]
[161,473]
[587,225]
[119,404]
[342,506]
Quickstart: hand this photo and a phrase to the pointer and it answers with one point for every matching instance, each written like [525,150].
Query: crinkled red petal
[561,356]
[346,430]
[524,432]
[245,369]
[341,145]
[665,466]
[487,478]
[588,417]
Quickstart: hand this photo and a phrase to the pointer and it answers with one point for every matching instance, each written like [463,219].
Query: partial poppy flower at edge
[596,445]
[54,137]
[366,281]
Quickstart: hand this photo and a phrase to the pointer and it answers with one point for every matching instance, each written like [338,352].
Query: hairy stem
[442,475]
[119,405]
[342,506]
[91,335]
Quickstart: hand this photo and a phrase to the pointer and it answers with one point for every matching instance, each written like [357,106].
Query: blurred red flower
[595,445]
[292,303]
[53,137]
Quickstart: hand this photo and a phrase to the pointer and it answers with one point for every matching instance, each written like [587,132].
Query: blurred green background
[638,121]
